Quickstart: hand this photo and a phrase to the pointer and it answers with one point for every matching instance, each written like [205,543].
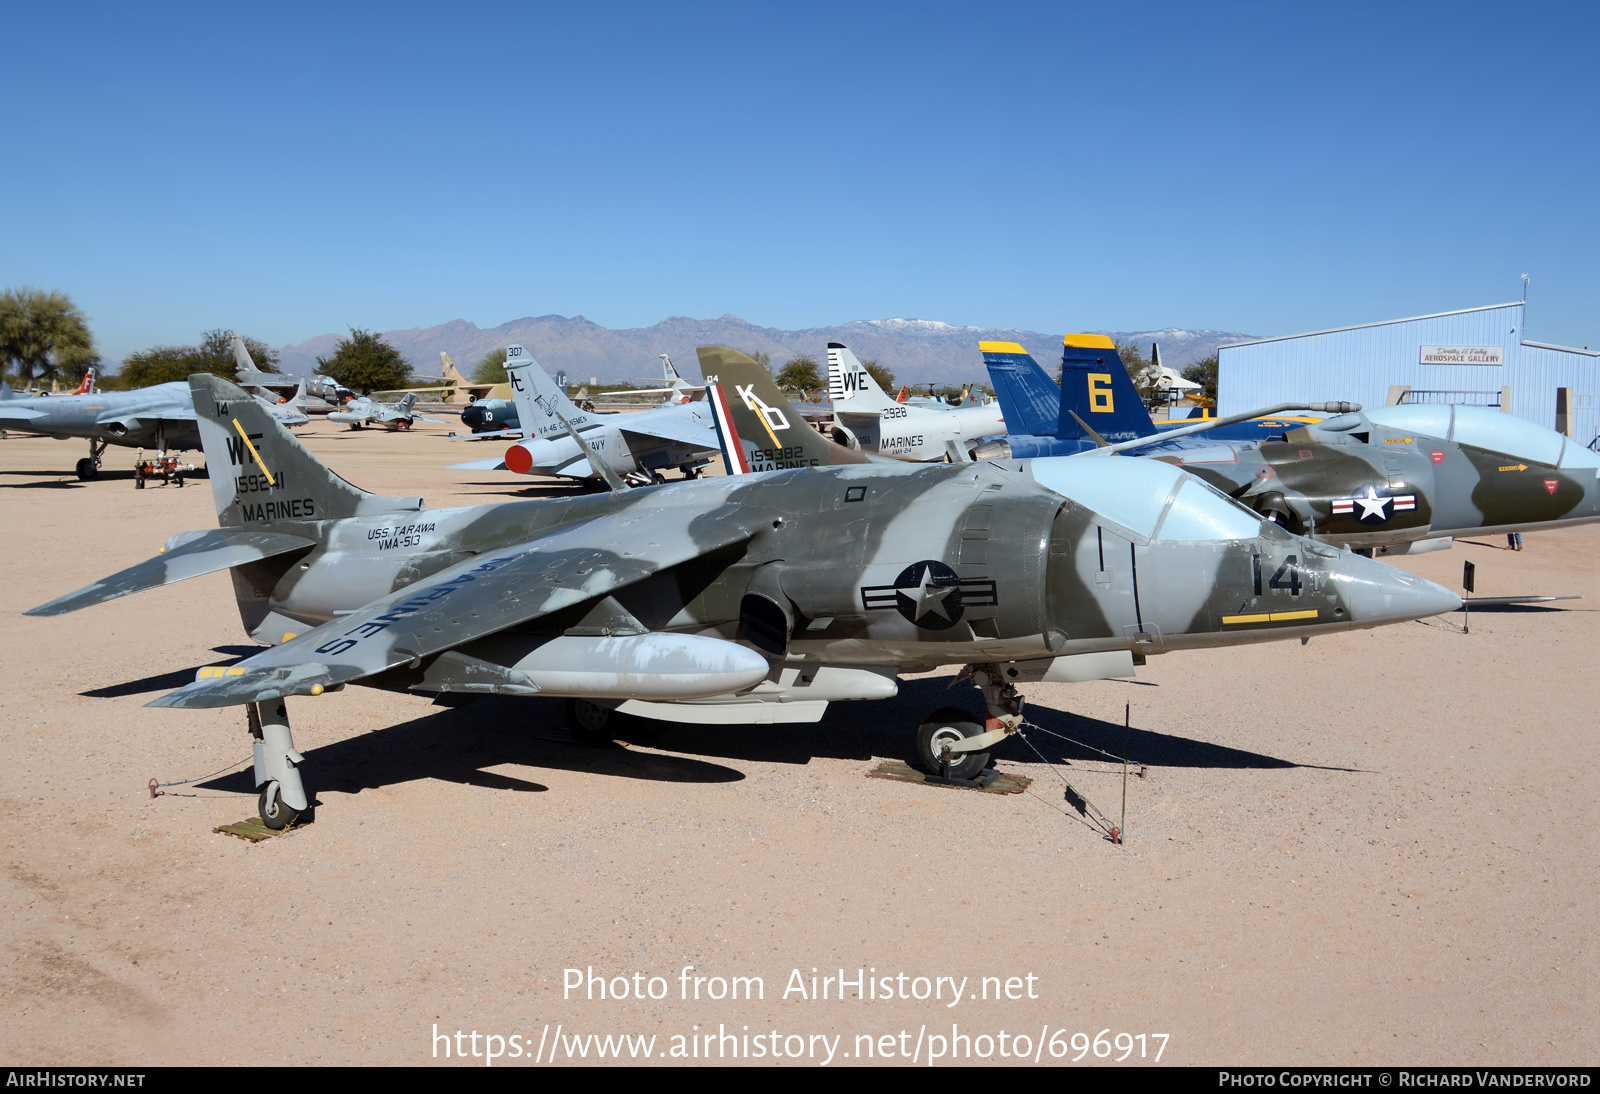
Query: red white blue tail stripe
[727,435]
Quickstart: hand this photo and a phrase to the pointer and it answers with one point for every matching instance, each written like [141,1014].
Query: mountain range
[915,350]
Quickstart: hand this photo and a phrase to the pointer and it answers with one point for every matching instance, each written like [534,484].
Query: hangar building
[1476,357]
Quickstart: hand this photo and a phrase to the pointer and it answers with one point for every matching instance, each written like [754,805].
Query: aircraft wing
[188,555]
[671,428]
[18,413]
[493,464]
[478,597]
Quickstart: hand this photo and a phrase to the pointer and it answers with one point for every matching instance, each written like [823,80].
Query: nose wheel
[937,736]
[275,812]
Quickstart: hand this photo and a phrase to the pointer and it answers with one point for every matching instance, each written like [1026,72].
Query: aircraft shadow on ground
[457,744]
[168,681]
[887,730]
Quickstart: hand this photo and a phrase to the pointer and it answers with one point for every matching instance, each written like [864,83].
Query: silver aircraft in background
[865,417]
[640,444]
[365,411]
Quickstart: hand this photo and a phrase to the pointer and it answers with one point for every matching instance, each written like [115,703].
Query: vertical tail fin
[87,386]
[850,385]
[260,473]
[1096,387]
[407,401]
[538,398]
[771,432]
[241,356]
[1029,400]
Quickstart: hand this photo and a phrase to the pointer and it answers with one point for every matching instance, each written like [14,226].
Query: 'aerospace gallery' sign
[1463,355]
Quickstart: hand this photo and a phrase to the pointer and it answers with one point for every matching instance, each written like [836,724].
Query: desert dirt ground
[1377,848]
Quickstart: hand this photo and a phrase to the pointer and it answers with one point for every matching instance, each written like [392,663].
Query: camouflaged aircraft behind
[1395,480]
[750,598]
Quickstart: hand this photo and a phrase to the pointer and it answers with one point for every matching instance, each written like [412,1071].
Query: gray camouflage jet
[749,598]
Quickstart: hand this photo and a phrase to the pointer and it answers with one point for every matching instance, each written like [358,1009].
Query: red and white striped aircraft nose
[519,459]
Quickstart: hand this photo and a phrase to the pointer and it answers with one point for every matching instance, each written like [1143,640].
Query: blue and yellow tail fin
[1097,389]
[1029,399]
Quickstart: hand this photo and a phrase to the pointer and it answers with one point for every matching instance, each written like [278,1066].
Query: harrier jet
[752,598]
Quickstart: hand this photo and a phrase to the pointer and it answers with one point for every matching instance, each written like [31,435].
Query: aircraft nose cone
[1377,593]
[472,417]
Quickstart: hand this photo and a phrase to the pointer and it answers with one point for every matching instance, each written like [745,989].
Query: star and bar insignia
[1374,506]
[930,595]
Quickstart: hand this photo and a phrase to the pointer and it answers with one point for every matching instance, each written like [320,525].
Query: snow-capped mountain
[915,350]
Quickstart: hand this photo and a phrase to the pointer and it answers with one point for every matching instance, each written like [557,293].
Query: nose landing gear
[950,742]
[277,764]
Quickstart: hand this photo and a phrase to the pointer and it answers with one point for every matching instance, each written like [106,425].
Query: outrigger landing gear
[283,796]
[89,467]
[952,746]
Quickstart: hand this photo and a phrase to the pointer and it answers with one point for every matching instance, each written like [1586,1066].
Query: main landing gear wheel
[949,725]
[589,721]
[275,813]
[87,470]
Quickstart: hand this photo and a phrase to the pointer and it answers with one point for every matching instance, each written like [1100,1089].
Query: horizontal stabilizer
[190,556]
[667,427]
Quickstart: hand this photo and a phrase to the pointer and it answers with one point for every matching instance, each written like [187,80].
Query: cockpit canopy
[1481,427]
[1149,498]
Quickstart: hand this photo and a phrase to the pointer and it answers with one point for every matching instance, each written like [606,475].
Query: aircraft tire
[87,471]
[950,724]
[278,815]
[590,721]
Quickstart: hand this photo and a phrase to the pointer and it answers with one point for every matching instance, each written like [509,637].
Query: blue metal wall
[1361,363]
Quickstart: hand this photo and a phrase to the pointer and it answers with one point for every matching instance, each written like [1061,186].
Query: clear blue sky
[291,170]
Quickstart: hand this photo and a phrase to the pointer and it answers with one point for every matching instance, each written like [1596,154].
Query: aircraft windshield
[1431,419]
[1200,512]
[1126,489]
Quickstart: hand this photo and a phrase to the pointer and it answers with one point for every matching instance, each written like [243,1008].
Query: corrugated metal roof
[1383,323]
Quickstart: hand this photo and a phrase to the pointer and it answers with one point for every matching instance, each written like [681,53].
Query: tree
[800,374]
[492,369]
[1204,373]
[214,354]
[762,359]
[880,375]
[366,363]
[43,335]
